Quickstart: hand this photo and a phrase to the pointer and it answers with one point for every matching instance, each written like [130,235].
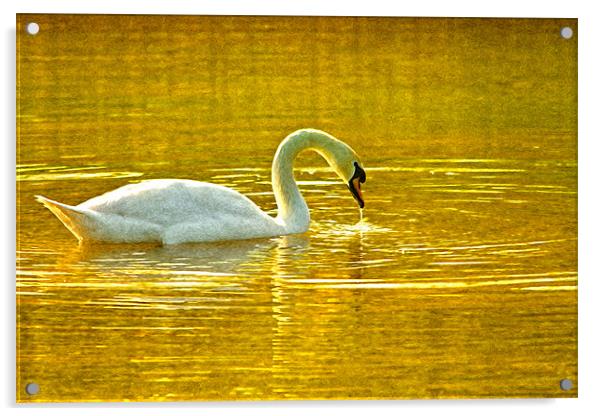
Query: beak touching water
[359,177]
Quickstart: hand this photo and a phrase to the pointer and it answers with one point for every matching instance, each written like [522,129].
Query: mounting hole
[32,388]
[566,384]
[32,28]
[566,32]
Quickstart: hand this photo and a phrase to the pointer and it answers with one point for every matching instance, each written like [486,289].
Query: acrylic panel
[457,279]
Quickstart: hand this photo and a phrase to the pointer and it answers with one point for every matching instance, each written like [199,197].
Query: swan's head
[358,177]
[349,168]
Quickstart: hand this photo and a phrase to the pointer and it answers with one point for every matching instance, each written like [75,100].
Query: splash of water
[362,225]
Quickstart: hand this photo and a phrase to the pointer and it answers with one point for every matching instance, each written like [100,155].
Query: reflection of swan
[222,257]
[175,211]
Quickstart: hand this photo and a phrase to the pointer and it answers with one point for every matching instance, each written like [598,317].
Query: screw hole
[32,28]
[32,388]
[566,32]
[566,384]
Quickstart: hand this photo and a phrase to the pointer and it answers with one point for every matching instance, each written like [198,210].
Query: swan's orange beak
[355,184]
[357,187]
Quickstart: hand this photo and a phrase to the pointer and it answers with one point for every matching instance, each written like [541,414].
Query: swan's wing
[172,201]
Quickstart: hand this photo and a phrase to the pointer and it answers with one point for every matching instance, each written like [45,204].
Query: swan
[175,211]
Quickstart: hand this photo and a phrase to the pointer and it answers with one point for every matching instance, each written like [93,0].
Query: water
[458,280]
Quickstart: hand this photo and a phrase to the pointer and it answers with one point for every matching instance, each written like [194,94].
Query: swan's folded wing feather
[74,218]
[171,201]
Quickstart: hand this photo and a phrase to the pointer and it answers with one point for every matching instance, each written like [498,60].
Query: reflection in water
[459,281]
[220,257]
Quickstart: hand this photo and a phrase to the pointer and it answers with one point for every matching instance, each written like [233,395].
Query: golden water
[459,280]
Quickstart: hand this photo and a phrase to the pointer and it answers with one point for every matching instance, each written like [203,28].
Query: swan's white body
[172,211]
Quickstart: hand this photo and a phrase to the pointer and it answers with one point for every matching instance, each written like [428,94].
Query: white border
[508,8]
[590,136]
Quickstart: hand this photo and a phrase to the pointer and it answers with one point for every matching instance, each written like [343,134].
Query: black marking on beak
[360,177]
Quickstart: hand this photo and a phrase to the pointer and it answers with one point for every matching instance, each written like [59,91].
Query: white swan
[173,211]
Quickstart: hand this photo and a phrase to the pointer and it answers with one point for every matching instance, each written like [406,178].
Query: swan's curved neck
[293,213]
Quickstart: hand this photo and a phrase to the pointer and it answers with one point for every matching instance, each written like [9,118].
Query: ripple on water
[335,229]
[35,173]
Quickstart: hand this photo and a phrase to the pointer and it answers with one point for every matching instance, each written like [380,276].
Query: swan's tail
[75,219]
